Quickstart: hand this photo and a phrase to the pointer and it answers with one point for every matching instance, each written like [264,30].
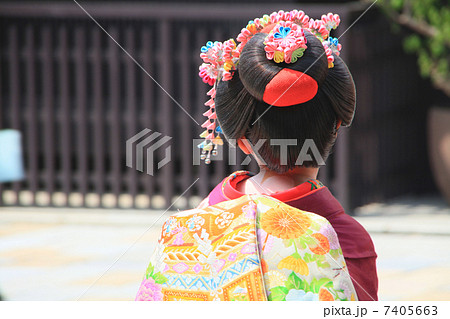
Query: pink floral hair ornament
[331,45]
[286,42]
[220,60]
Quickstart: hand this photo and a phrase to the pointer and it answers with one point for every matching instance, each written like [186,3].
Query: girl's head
[313,105]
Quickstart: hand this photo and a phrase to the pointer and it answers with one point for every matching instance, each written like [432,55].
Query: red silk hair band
[290,87]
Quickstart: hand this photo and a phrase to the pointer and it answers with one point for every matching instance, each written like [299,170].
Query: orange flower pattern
[285,223]
[321,244]
[295,264]
[325,295]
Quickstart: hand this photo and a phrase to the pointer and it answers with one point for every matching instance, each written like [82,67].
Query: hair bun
[256,72]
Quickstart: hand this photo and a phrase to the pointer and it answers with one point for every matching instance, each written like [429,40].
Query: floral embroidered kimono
[251,248]
[313,196]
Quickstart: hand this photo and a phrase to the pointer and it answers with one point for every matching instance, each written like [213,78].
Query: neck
[267,181]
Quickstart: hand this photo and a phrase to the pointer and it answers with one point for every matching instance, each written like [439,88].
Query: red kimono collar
[229,188]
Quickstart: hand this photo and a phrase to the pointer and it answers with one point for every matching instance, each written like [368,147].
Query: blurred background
[75,221]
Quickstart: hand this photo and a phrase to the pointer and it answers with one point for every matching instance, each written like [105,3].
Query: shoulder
[224,191]
[353,236]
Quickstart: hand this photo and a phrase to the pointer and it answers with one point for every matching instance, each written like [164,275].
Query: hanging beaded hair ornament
[285,42]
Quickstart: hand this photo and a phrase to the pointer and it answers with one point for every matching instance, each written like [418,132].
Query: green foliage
[288,242]
[294,282]
[278,293]
[308,258]
[301,243]
[149,271]
[429,38]
[315,284]
[321,262]
[159,278]
[412,43]
[335,253]
[397,4]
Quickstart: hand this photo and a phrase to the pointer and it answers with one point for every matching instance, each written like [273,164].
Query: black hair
[239,103]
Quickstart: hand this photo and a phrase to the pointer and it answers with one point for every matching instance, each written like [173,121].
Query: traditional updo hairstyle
[239,103]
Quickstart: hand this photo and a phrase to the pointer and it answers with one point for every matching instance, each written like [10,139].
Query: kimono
[252,247]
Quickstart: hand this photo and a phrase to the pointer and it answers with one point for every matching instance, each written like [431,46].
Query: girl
[279,234]
[290,84]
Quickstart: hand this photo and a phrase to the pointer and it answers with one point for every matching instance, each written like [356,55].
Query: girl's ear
[338,125]
[243,146]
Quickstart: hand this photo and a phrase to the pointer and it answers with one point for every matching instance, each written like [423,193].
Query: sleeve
[301,257]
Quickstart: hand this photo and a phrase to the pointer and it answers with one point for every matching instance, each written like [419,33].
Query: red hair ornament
[290,87]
